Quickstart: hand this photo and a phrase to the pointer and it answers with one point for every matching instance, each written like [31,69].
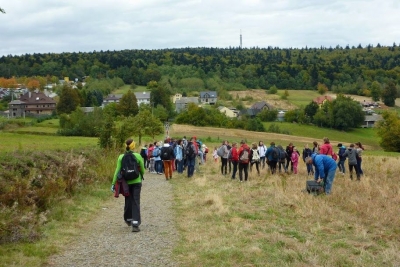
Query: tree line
[349,70]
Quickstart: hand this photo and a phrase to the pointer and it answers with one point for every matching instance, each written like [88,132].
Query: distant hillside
[347,70]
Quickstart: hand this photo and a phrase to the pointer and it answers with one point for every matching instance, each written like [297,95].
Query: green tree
[161,96]
[69,100]
[376,91]
[389,131]
[106,132]
[127,105]
[268,115]
[255,125]
[347,113]
[273,90]
[311,109]
[322,88]
[389,94]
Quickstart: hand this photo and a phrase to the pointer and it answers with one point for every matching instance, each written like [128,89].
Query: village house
[255,109]
[176,97]
[229,112]
[371,120]
[32,104]
[142,98]
[322,99]
[112,98]
[209,97]
[181,104]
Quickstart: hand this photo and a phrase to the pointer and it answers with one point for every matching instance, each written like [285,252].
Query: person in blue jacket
[325,170]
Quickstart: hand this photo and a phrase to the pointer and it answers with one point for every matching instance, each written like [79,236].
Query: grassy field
[127,87]
[300,97]
[12,142]
[269,221]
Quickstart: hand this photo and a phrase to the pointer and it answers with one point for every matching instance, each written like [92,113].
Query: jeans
[180,166]
[282,165]
[235,166]
[341,166]
[132,204]
[201,156]
[224,165]
[351,171]
[310,169]
[262,162]
[190,166]
[158,166]
[243,167]
[360,171]
[272,165]
[328,180]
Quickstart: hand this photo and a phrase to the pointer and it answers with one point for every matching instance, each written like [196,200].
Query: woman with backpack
[244,157]
[282,159]
[132,201]
[359,149]
[254,158]
[234,157]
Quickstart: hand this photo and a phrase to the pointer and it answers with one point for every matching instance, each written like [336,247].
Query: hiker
[223,153]
[167,156]
[132,202]
[196,159]
[325,170]
[215,154]
[282,159]
[289,151]
[307,153]
[229,162]
[272,155]
[244,157]
[143,153]
[190,154]
[234,157]
[151,158]
[254,158]
[295,159]
[315,149]
[262,149]
[178,151]
[351,154]
[359,149]
[326,148]
[157,159]
[342,158]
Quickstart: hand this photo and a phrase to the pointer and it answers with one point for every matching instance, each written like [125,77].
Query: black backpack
[275,153]
[129,167]
[190,151]
[143,153]
[164,153]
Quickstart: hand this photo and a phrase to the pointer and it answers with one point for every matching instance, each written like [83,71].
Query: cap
[339,145]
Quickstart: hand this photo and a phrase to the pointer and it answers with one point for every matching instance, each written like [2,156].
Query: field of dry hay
[269,221]
[261,95]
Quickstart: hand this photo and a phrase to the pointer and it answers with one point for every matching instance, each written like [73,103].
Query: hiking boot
[128,223]
[135,228]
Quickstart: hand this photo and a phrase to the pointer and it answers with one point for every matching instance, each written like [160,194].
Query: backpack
[341,152]
[129,167]
[256,156]
[189,151]
[164,153]
[230,154]
[244,155]
[156,152]
[221,151]
[275,153]
[143,153]
[282,154]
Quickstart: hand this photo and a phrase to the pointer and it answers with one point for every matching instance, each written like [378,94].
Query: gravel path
[108,241]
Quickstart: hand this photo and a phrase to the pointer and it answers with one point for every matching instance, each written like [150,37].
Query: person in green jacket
[132,202]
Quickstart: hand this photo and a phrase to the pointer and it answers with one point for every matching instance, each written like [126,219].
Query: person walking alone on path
[132,202]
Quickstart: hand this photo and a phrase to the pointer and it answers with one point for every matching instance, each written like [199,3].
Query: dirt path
[108,241]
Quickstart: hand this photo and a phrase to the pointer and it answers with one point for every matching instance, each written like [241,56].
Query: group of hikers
[180,154]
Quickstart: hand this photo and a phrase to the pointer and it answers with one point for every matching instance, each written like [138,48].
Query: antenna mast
[240,38]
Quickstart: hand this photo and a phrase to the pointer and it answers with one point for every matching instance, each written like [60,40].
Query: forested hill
[349,70]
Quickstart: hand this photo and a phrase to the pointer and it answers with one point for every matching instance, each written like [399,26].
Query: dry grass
[269,221]
[261,95]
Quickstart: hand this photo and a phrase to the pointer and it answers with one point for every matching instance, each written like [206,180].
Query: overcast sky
[42,26]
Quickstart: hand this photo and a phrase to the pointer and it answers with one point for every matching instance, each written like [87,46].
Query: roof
[319,100]
[374,117]
[185,100]
[142,95]
[36,97]
[113,97]
[16,102]
[261,105]
[209,93]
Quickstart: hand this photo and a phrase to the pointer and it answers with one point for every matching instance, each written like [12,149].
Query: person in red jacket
[326,148]
[233,156]
[244,159]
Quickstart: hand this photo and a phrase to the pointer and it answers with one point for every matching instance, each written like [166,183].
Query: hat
[339,145]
